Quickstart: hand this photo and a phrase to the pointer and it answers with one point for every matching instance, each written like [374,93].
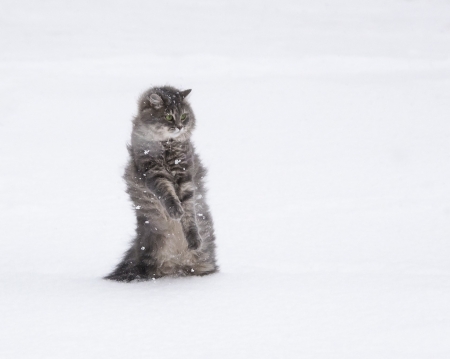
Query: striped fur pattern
[164,176]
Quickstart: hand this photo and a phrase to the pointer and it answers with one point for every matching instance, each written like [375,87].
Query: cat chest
[177,163]
[177,168]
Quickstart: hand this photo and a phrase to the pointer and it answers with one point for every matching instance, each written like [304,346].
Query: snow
[325,128]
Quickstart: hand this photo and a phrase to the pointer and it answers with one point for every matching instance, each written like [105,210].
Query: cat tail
[128,269]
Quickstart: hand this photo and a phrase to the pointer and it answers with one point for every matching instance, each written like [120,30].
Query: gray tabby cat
[164,177]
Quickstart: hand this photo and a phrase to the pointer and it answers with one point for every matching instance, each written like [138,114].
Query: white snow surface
[325,126]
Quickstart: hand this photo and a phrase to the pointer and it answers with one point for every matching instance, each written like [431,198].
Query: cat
[165,181]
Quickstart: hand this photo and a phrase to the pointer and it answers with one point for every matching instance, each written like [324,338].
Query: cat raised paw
[193,238]
[174,208]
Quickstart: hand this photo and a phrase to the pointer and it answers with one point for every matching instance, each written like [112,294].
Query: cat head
[164,114]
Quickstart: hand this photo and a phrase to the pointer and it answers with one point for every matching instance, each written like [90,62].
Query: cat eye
[169,117]
[183,116]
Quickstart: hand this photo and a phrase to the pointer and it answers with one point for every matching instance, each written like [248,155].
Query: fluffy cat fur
[164,177]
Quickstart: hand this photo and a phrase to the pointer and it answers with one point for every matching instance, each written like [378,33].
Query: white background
[326,130]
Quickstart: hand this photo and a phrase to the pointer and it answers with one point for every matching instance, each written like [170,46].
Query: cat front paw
[174,209]
[193,238]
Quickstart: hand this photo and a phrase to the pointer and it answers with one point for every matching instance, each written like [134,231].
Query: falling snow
[325,129]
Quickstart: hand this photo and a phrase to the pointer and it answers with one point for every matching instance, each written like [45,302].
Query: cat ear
[155,100]
[185,93]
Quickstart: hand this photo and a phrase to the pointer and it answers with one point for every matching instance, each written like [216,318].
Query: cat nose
[179,127]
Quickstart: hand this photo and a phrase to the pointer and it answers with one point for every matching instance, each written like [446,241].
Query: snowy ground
[325,126]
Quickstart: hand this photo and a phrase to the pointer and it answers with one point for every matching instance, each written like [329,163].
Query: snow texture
[325,127]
